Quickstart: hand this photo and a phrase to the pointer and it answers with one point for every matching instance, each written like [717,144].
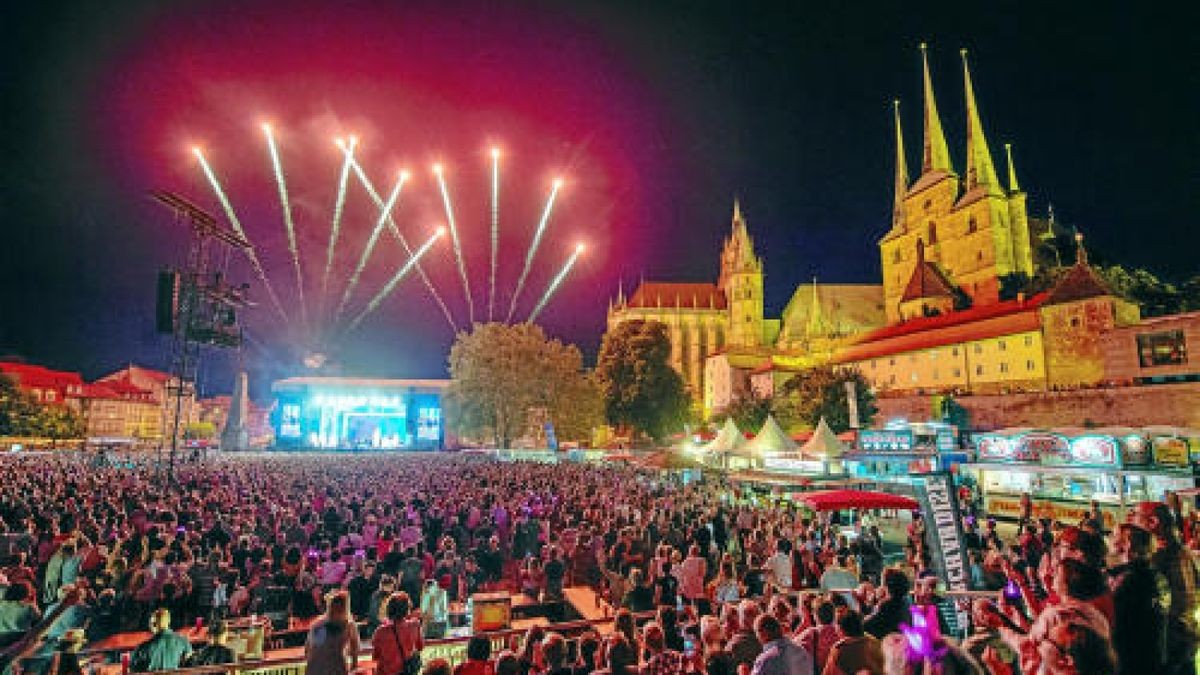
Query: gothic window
[896,255]
[972,225]
[932,233]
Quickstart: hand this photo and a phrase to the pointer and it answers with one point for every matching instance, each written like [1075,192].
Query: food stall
[1064,471]
[894,453]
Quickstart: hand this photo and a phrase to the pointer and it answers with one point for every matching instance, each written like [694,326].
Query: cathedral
[719,331]
[951,314]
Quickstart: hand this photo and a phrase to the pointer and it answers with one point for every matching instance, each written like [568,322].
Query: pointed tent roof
[981,172]
[824,443]
[936,155]
[771,438]
[729,438]
[927,280]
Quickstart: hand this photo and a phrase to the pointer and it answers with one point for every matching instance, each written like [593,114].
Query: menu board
[1171,452]
[885,440]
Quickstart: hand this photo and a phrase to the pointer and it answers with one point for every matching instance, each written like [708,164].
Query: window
[1029,365]
[913,377]
[928,204]
[1028,340]
[1074,322]
[892,378]
[1000,345]
[891,362]
[896,255]
[932,233]
[873,364]
[979,256]
[972,225]
[933,354]
[978,348]
[979,369]
[935,374]
[1168,348]
[1004,367]
[954,351]
[957,372]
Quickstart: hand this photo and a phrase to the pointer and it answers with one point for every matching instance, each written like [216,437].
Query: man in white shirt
[779,566]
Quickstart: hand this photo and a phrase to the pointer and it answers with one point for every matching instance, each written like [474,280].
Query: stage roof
[294,383]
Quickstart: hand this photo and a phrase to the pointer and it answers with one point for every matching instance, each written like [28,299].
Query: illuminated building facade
[351,413]
[719,332]
[952,234]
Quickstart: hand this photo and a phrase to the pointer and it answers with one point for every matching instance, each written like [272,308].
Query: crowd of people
[351,549]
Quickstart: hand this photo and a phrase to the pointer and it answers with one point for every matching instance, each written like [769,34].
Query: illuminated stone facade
[971,229]
[719,332]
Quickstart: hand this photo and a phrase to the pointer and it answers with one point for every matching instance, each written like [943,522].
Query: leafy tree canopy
[821,392]
[500,374]
[640,388]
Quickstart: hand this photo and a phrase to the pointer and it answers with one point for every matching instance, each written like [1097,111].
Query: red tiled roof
[927,281]
[1079,283]
[100,391]
[30,375]
[976,323]
[673,295]
[125,388]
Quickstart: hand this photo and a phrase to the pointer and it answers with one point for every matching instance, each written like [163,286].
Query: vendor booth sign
[943,528]
[885,440]
[1172,452]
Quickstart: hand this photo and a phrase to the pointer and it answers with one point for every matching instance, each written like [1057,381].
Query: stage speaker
[166,301]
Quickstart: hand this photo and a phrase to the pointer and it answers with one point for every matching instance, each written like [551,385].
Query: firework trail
[558,279]
[400,274]
[533,247]
[287,220]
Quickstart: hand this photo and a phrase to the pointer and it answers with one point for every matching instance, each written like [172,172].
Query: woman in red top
[396,645]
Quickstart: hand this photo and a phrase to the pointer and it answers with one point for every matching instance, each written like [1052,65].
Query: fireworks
[290,226]
[326,322]
[556,283]
[339,205]
[384,214]
[458,255]
[533,246]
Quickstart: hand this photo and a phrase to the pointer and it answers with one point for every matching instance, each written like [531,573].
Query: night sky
[657,114]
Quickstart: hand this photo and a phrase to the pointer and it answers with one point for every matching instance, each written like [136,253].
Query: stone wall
[1175,404]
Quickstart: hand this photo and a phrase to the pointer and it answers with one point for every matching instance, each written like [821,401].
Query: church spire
[1081,258]
[1013,186]
[815,320]
[936,156]
[980,169]
[901,187]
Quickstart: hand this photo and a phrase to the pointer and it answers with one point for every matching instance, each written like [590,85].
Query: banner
[943,528]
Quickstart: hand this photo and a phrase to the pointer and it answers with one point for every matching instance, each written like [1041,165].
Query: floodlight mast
[205,314]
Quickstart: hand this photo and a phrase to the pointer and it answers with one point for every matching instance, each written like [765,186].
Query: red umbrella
[833,500]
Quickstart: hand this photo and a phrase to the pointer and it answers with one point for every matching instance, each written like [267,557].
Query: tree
[749,410]
[194,431]
[22,415]
[641,390]
[821,392]
[500,373]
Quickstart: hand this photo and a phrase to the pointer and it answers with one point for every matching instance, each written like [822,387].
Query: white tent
[824,443]
[771,438]
[727,439]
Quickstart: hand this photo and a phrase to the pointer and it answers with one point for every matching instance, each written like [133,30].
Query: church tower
[742,282]
[971,229]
